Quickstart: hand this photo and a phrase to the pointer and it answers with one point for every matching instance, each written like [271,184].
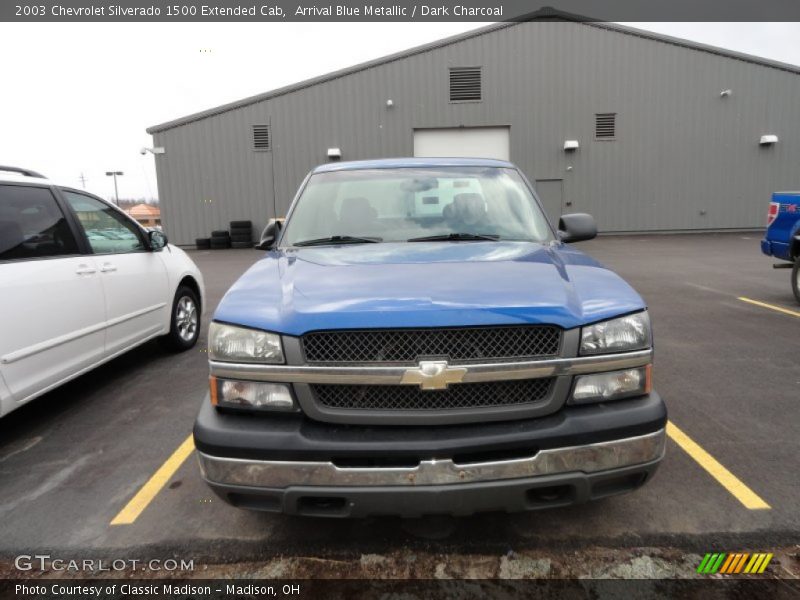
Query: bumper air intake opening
[321,505]
[552,495]
[618,485]
[265,502]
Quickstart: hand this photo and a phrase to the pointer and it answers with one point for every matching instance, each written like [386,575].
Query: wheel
[220,243]
[203,243]
[220,233]
[185,321]
[796,279]
[239,245]
[241,237]
[241,224]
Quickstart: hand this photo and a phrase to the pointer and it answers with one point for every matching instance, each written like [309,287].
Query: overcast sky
[77,98]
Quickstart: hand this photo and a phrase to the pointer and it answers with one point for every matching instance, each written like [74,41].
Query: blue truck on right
[782,238]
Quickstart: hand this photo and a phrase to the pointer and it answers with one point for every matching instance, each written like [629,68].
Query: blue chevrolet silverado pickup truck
[419,339]
[782,238]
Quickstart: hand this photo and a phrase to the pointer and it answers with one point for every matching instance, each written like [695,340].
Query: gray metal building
[671,134]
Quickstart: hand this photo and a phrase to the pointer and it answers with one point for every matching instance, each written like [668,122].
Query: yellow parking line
[780,309]
[725,478]
[150,490]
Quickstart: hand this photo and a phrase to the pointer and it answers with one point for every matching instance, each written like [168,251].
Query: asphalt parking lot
[72,461]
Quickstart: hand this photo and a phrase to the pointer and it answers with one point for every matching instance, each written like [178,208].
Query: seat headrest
[469,205]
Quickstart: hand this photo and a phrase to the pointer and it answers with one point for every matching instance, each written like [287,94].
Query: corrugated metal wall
[684,157]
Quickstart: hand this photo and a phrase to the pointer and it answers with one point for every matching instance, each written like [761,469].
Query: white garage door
[475,142]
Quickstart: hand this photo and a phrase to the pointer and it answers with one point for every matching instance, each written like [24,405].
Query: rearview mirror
[156,239]
[269,236]
[576,227]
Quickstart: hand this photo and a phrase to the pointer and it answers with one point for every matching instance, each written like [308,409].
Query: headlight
[251,395]
[617,335]
[239,344]
[601,387]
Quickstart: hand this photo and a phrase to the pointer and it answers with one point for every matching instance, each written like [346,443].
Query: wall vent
[261,139]
[605,126]
[465,84]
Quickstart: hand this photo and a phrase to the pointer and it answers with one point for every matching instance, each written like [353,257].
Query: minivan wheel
[796,279]
[185,321]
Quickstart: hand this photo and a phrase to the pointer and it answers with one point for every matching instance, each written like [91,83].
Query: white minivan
[81,283]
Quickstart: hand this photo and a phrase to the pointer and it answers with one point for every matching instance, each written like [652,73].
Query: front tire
[184,321]
[796,279]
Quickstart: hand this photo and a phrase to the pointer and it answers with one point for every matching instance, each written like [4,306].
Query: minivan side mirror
[576,227]
[269,236]
[157,240]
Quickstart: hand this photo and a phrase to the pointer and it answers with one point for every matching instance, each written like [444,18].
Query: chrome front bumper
[589,458]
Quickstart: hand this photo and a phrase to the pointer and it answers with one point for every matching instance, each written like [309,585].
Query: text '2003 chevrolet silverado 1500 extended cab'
[418,339]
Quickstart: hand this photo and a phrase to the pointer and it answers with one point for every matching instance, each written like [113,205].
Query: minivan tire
[241,224]
[220,234]
[184,327]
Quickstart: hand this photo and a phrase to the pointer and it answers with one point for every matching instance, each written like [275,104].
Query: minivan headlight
[240,344]
[631,332]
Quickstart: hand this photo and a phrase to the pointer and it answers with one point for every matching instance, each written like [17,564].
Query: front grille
[405,397]
[409,345]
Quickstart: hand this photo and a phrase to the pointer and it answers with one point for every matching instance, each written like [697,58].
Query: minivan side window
[32,224]
[108,231]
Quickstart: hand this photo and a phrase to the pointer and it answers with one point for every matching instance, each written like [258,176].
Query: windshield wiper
[456,237]
[339,239]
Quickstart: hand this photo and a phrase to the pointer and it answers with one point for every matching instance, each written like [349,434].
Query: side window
[32,224]
[108,231]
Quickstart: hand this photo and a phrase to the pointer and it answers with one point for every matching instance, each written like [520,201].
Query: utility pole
[114,175]
[83,180]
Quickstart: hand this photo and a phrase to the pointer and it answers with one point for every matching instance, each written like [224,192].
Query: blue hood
[437,284]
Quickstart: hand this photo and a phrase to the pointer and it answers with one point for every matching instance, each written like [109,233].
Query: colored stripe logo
[734,563]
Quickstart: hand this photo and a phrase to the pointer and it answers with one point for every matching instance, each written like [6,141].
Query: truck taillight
[772,214]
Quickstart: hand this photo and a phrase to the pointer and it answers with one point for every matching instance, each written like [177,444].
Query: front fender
[179,265]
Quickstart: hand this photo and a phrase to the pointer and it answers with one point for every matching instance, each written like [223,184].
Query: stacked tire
[203,243]
[220,239]
[241,234]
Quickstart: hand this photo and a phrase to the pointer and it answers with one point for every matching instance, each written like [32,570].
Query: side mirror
[576,227]
[157,240]
[269,236]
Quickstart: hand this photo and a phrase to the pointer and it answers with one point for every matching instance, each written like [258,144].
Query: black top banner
[395,10]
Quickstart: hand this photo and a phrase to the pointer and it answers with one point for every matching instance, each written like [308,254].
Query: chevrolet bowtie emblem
[433,375]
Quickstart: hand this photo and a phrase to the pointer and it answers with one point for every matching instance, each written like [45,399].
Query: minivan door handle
[85,270]
[107,267]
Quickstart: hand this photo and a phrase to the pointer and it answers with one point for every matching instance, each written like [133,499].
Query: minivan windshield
[415,204]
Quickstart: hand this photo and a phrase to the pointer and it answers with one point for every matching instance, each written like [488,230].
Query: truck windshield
[428,203]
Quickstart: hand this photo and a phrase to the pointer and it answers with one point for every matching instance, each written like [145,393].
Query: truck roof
[397,163]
